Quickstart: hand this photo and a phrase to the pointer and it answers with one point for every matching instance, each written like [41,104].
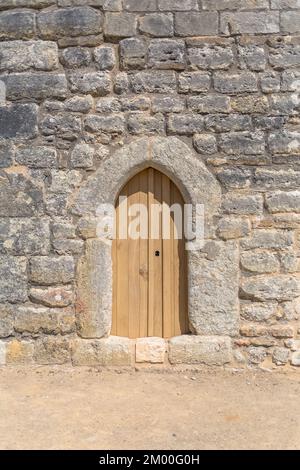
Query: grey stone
[167,54]
[209,104]
[17,25]
[268,239]
[52,296]
[154,82]
[50,270]
[211,57]
[233,227]
[18,56]
[285,56]
[20,196]
[105,57]
[205,144]
[81,21]
[177,5]
[261,22]
[280,287]
[94,83]
[289,22]
[120,25]
[157,25]
[228,123]
[24,236]
[185,124]
[253,57]
[82,156]
[37,157]
[193,82]
[285,142]
[235,83]
[280,356]
[50,351]
[151,350]
[13,279]
[259,312]
[168,104]
[7,153]
[75,57]
[36,86]
[112,351]
[247,143]
[79,104]
[7,317]
[242,204]
[270,82]
[18,121]
[133,53]
[281,201]
[260,262]
[210,350]
[112,124]
[196,24]
[139,5]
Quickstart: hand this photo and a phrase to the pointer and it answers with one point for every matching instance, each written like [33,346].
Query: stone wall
[81,78]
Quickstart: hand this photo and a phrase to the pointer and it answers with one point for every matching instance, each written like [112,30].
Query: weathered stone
[18,56]
[20,197]
[288,55]
[81,21]
[113,351]
[19,352]
[260,262]
[209,104]
[247,143]
[285,142]
[177,5]
[18,121]
[167,54]
[235,83]
[157,25]
[249,22]
[278,287]
[36,320]
[280,201]
[205,144]
[105,57]
[233,227]
[185,124]
[151,350]
[120,25]
[79,104]
[7,153]
[94,83]
[242,204]
[168,104]
[51,270]
[13,279]
[133,53]
[7,318]
[228,123]
[215,278]
[52,351]
[41,86]
[193,82]
[211,57]
[82,156]
[154,82]
[37,157]
[17,25]
[139,5]
[250,104]
[196,24]
[140,123]
[75,57]
[295,359]
[252,57]
[268,239]
[52,296]
[24,236]
[112,124]
[259,312]
[210,350]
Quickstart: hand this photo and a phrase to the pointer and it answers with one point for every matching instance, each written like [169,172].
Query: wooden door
[150,272]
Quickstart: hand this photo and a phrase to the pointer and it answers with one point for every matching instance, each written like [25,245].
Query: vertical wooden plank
[133,261]
[167,285]
[144,268]
[122,283]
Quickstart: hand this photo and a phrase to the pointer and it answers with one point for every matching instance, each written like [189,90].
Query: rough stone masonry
[82,79]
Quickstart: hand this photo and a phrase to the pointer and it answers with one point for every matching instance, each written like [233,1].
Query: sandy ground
[54,408]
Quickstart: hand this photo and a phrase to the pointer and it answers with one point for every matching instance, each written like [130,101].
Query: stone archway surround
[213,271]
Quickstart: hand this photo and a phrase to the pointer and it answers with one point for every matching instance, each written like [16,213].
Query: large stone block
[24,236]
[279,287]
[20,196]
[13,279]
[196,24]
[151,350]
[36,86]
[47,270]
[210,350]
[18,56]
[112,351]
[18,121]
[81,21]
[17,25]
[214,285]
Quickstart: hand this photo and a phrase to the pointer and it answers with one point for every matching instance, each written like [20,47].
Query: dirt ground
[55,408]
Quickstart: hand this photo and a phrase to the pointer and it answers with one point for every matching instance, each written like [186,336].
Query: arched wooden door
[150,273]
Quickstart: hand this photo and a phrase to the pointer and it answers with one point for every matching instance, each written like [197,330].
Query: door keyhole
[157,253]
